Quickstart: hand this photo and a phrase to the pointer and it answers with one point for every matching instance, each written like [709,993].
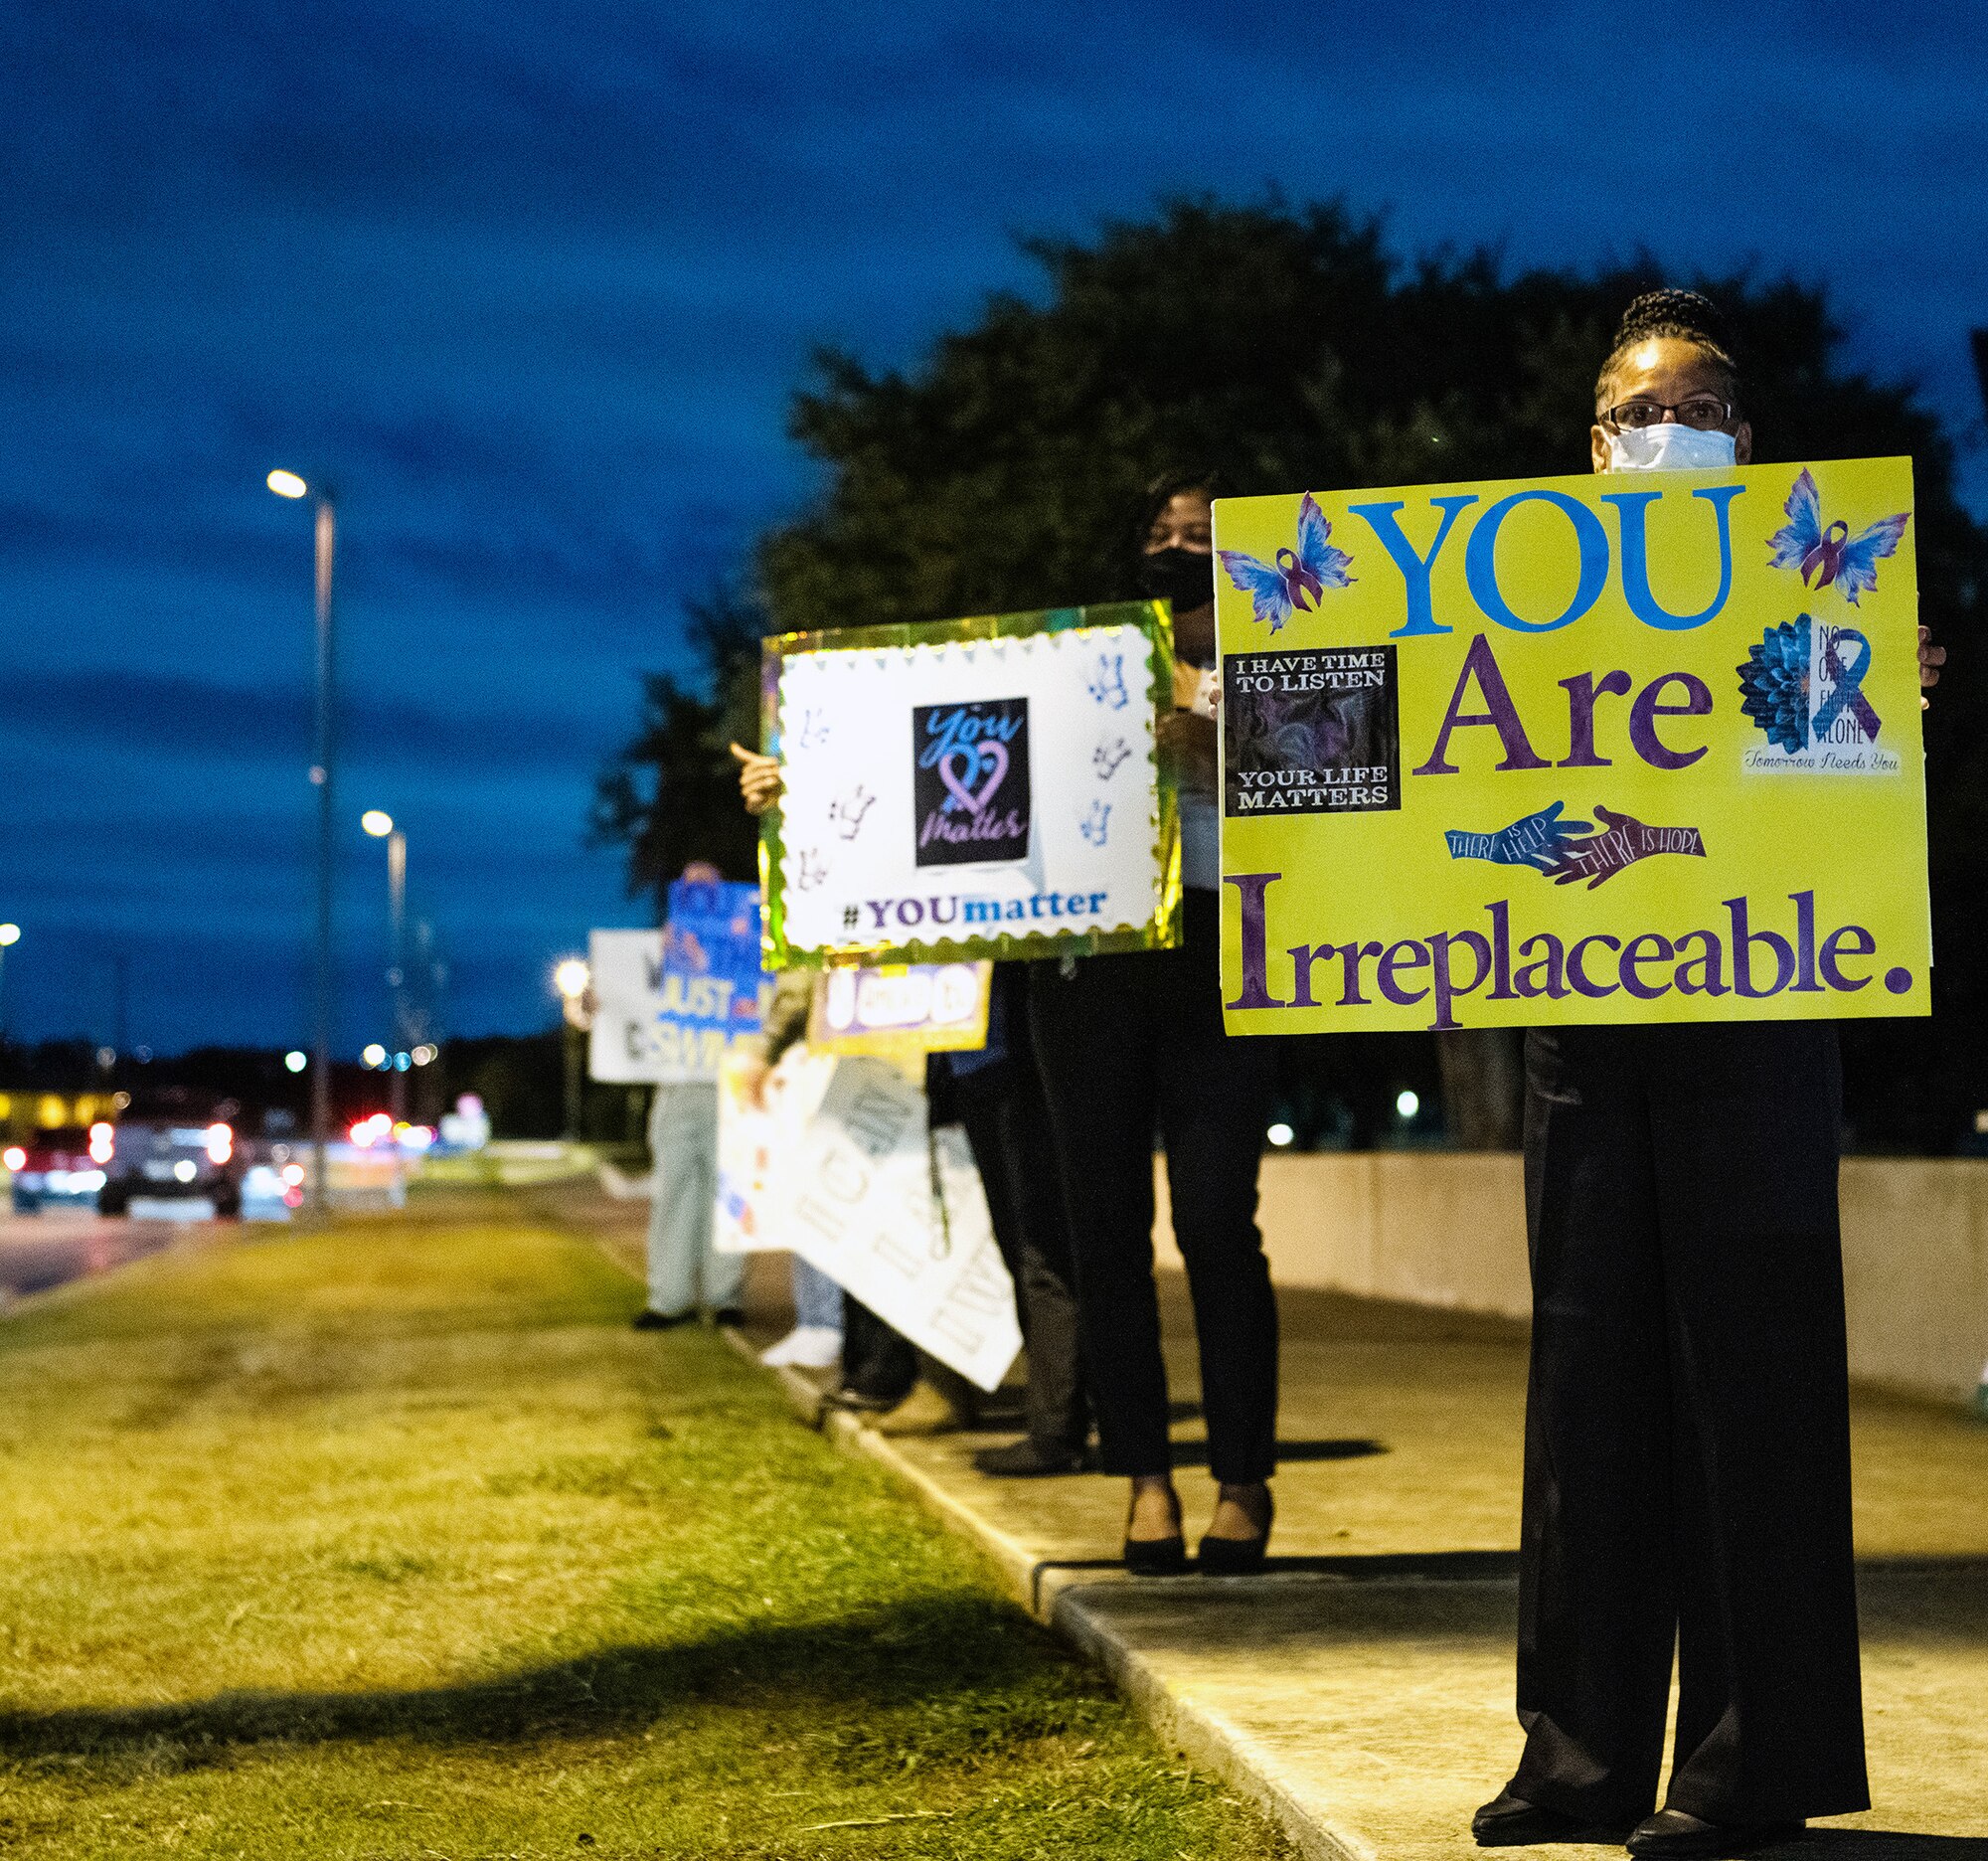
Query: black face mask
[1183,577]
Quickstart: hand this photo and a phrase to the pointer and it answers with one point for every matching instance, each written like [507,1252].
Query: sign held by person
[971,789]
[1603,749]
[670,1003]
[839,1165]
[901,1009]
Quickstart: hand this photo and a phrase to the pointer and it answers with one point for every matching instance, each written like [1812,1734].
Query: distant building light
[1281,1136]
[184,1170]
[401,1062]
[1408,1104]
[296,1061]
[373,1055]
[14,1157]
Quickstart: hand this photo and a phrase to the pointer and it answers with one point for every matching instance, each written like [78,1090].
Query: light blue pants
[684,1270]
[817,1298]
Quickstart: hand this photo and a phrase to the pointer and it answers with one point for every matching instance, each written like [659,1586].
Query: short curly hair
[1684,316]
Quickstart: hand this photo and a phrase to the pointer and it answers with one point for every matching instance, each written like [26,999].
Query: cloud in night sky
[532,286]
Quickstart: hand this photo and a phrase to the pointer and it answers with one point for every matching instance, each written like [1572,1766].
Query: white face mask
[1669,447]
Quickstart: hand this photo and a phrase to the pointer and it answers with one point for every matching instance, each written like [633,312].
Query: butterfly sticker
[1298,578]
[1825,555]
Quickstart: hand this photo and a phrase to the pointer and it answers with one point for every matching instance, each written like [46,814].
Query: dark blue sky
[532,282]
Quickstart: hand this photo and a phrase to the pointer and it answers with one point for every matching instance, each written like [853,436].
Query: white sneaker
[806,1347]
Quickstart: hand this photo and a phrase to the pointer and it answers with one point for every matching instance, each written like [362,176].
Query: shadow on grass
[941,1660]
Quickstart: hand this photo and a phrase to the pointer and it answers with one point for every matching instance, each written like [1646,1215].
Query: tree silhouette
[670,794]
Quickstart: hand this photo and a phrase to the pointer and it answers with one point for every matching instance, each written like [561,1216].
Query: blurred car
[176,1144]
[58,1169]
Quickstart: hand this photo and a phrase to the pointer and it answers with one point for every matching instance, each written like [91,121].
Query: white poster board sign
[841,1169]
[623,1048]
[973,788]
[755,1141]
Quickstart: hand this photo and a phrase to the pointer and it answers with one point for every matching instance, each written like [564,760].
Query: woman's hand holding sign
[1932,658]
[758,779]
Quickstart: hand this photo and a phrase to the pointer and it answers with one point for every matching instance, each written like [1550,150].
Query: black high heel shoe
[1239,1557]
[1157,1557]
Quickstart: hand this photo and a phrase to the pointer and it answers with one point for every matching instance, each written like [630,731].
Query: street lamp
[574,980]
[10,934]
[286,484]
[379,824]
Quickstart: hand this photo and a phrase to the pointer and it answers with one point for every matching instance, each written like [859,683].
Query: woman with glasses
[1686,1474]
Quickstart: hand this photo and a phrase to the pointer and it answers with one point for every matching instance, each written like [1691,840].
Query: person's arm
[1185,736]
[759,780]
[783,1025]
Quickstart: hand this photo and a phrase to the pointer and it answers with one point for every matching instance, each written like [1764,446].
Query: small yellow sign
[895,1010]
[1634,747]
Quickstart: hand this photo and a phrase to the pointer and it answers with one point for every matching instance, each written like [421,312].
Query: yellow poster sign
[1635,747]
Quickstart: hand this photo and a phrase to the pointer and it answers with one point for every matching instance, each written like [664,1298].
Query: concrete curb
[1055,1595]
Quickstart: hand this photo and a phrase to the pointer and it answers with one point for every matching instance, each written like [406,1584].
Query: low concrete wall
[1449,1229]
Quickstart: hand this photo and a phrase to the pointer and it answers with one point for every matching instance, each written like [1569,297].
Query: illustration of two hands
[1553,846]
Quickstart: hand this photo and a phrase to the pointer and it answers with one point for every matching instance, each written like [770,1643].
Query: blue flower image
[1774,681]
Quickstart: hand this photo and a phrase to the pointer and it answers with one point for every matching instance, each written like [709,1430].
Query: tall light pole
[575,980]
[380,825]
[10,934]
[288,485]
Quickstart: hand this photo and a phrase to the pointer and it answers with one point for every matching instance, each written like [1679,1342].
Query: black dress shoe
[1156,1557]
[662,1321]
[1673,1832]
[1028,1458]
[727,1317]
[1509,1821]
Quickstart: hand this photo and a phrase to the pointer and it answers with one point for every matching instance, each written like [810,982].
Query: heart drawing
[970,758]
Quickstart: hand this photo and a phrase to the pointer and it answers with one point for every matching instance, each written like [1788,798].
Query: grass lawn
[396,1541]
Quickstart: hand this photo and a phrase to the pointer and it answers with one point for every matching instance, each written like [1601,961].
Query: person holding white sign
[997,1096]
[1130,1042]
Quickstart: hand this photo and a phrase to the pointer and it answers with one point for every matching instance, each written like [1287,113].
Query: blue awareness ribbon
[1846,690]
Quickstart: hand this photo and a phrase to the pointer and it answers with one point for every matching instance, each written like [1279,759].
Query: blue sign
[708,989]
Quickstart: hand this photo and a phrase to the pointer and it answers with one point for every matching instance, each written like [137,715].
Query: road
[42,1251]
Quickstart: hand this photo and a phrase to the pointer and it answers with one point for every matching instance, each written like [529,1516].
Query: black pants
[877,1361]
[1126,1043]
[1687,1427]
[1006,1121]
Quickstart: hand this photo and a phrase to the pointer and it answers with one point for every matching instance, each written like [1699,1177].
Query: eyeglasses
[1704,412]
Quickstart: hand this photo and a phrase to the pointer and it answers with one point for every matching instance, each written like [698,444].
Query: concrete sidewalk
[1362,1690]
